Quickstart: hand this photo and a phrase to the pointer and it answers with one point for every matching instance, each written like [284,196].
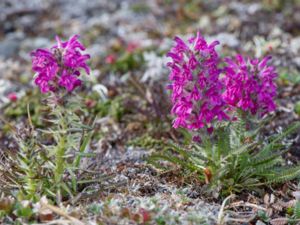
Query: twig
[29,117]
[221,212]
[246,204]
[86,195]
[241,220]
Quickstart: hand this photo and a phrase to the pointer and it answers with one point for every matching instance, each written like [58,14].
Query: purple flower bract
[250,85]
[196,86]
[60,66]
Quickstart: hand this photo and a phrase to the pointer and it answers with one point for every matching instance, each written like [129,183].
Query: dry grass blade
[56,222]
[221,212]
[279,221]
[60,212]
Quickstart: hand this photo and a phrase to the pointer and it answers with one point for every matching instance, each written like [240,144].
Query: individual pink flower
[250,85]
[131,47]
[110,59]
[196,86]
[60,65]
[12,96]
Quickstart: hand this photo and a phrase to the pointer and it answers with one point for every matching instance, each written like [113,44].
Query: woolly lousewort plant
[58,72]
[196,86]
[219,101]
[203,93]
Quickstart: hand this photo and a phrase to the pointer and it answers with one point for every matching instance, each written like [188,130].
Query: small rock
[296,60]
[226,39]
[9,47]
[258,222]
[295,45]
[40,42]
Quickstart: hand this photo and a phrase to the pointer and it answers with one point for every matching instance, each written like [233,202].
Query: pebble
[258,222]
[11,44]
[225,39]
[295,45]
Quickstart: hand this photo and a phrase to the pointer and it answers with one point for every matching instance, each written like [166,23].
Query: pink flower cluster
[250,85]
[200,96]
[59,66]
[196,87]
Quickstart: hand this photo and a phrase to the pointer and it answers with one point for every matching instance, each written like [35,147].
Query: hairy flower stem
[59,166]
[59,160]
[60,149]
[31,183]
[29,175]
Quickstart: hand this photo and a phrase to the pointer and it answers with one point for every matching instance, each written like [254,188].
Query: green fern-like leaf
[297,210]
[256,161]
[223,141]
[237,160]
[282,174]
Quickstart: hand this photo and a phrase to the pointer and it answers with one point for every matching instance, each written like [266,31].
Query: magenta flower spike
[196,86]
[60,65]
[250,85]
